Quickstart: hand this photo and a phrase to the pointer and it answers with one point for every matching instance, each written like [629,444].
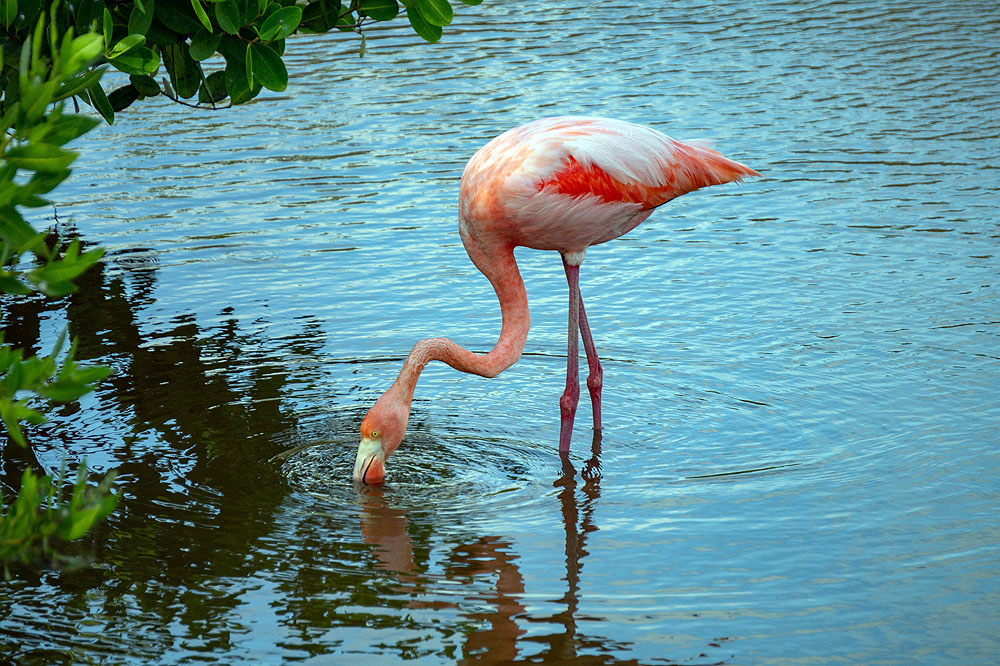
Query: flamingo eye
[374,433]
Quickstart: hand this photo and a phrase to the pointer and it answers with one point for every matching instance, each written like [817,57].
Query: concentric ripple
[455,474]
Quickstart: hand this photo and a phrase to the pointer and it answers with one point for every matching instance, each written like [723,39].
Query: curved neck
[502,272]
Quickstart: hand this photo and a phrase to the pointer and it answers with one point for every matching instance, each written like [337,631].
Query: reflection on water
[492,632]
[799,449]
[494,600]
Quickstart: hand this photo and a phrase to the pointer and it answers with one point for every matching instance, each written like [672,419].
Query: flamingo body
[567,183]
[564,184]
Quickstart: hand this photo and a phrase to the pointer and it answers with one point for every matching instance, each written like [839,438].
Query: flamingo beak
[369,466]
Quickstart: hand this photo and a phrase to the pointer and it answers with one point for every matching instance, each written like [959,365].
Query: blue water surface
[800,452]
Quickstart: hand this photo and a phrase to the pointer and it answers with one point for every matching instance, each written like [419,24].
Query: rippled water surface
[800,453]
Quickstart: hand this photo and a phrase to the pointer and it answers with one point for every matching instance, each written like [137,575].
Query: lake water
[802,415]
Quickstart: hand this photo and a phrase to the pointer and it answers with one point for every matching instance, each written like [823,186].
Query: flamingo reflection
[494,631]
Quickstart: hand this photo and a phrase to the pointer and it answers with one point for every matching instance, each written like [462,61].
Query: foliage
[43,515]
[34,161]
[178,38]
[59,381]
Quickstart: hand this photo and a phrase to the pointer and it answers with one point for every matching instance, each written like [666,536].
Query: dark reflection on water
[184,528]
[491,633]
[472,577]
[799,455]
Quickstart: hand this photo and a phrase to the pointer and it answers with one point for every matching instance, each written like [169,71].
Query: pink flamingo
[562,184]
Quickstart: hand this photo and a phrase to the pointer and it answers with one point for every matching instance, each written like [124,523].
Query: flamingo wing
[619,161]
[567,183]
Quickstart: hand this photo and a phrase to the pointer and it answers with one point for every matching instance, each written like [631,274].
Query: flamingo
[564,184]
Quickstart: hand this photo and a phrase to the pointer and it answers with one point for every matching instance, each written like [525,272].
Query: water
[801,417]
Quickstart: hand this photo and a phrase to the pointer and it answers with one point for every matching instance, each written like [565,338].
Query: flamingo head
[382,431]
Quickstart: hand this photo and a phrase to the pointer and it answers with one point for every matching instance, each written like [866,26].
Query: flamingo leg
[595,380]
[571,396]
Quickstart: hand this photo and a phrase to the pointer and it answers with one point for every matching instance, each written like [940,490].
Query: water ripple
[800,405]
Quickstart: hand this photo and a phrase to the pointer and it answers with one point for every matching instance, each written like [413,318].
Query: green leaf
[141,18]
[380,10]
[199,11]
[99,101]
[145,85]
[35,50]
[8,12]
[281,23]
[244,7]
[39,157]
[84,50]
[109,27]
[242,91]
[176,18]
[248,64]
[64,391]
[122,97]
[80,524]
[347,22]
[240,88]
[35,101]
[56,277]
[66,128]
[31,201]
[7,412]
[41,516]
[228,16]
[321,16]
[139,60]
[267,67]
[15,231]
[91,374]
[204,45]
[43,182]
[9,284]
[232,48]
[160,35]
[13,378]
[185,73]
[24,413]
[87,505]
[213,89]
[125,44]
[77,84]
[85,11]
[247,9]
[472,3]
[420,25]
[8,189]
[436,12]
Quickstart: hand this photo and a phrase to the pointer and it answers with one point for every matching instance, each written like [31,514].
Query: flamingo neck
[501,270]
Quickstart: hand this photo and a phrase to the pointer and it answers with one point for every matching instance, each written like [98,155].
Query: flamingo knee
[567,412]
[569,400]
[595,381]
